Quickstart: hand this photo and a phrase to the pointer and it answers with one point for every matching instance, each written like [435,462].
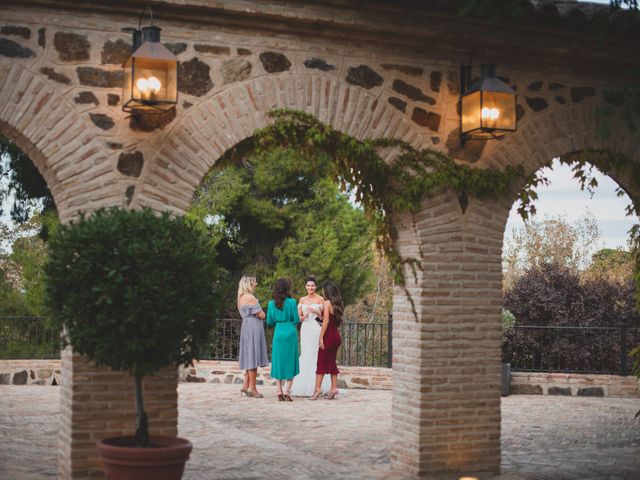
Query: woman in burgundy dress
[329,339]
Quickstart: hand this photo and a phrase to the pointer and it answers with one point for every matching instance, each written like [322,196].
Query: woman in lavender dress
[253,345]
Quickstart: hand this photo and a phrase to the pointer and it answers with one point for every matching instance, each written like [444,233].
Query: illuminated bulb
[142,85]
[154,85]
[494,113]
[486,112]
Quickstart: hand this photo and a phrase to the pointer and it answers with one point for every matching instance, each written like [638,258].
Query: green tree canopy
[279,214]
[24,189]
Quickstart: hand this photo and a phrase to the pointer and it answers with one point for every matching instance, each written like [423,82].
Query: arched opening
[569,320]
[282,213]
[29,343]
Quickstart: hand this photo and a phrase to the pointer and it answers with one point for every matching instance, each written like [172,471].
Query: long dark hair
[332,293]
[281,291]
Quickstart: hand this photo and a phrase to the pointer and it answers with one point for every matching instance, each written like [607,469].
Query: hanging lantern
[150,74]
[488,107]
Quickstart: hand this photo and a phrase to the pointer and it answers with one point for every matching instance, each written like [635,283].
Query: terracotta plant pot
[164,459]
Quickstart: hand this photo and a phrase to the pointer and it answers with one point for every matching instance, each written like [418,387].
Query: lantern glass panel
[154,80]
[470,111]
[126,83]
[498,111]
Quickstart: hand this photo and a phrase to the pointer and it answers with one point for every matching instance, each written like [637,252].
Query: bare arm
[300,312]
[325,322]
[248,299]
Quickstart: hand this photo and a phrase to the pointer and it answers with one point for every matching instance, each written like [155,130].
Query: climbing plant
[386,176]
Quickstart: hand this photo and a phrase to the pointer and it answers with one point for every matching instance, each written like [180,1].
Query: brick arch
[565,131]
[64,147]
[225,119]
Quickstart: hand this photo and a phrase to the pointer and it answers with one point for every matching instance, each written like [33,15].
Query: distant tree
[552,294]
[630,4]
[21,265]
[552,240]
[23,187]
[613,265]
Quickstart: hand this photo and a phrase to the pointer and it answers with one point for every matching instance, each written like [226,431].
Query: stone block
[20,378]
[72,47]
[360,381]
[526,389]
[559,391]
[591,392]
[228,379]
[274,62]
[5,378]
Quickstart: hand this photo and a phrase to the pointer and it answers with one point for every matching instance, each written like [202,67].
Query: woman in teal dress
[283,313]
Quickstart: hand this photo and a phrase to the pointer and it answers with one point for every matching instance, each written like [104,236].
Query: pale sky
[564,197]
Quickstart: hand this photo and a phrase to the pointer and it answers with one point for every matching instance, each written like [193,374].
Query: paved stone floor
[544,438]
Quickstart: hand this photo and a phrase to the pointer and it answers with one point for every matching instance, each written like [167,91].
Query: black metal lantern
[150,74]
[488,107]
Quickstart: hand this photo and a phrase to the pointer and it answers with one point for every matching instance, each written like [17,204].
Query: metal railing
[28,337]
[534,348]
[363,344]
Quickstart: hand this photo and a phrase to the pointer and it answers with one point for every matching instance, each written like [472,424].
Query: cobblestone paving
[544,438]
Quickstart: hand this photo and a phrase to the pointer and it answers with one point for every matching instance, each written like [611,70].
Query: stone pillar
[446,360]
[97,403]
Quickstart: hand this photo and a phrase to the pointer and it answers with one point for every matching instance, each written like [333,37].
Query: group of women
[298,372]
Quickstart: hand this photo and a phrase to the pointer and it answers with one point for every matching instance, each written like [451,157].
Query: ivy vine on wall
[384,188]
[390,177]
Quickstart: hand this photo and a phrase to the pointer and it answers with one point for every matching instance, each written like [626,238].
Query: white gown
[304,384]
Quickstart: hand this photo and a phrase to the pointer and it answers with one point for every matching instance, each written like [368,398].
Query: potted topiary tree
[134,291]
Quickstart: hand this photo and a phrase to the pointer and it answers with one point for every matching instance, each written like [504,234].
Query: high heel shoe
[287,397]
[254,394]
[245,391]
[332,395]
[280,397]
[315,395]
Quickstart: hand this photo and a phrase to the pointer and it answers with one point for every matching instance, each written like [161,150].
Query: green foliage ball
[135,291]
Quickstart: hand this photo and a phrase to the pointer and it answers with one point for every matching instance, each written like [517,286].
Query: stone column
[97,403]
[446,360]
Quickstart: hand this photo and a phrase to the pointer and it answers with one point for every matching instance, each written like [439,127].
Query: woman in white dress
[310,313]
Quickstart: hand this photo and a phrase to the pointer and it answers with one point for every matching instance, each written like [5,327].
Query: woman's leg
[252,378]
[288,387]
[318,389]
[245,385]
[279,385]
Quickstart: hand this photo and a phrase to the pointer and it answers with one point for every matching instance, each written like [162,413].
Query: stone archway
[394,77]
[225,119]
[65,147]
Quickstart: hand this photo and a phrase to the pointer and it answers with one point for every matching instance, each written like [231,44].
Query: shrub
[134,292]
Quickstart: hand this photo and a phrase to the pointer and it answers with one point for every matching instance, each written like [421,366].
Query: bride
[310,312]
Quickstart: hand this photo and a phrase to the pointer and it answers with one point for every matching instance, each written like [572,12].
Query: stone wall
[225,372]
[573,384]
[30,372]
[47,372]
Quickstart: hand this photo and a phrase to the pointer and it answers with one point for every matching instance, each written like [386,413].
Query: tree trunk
[142,427]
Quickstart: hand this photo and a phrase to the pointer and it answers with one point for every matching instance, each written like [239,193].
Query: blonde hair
[246,285]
